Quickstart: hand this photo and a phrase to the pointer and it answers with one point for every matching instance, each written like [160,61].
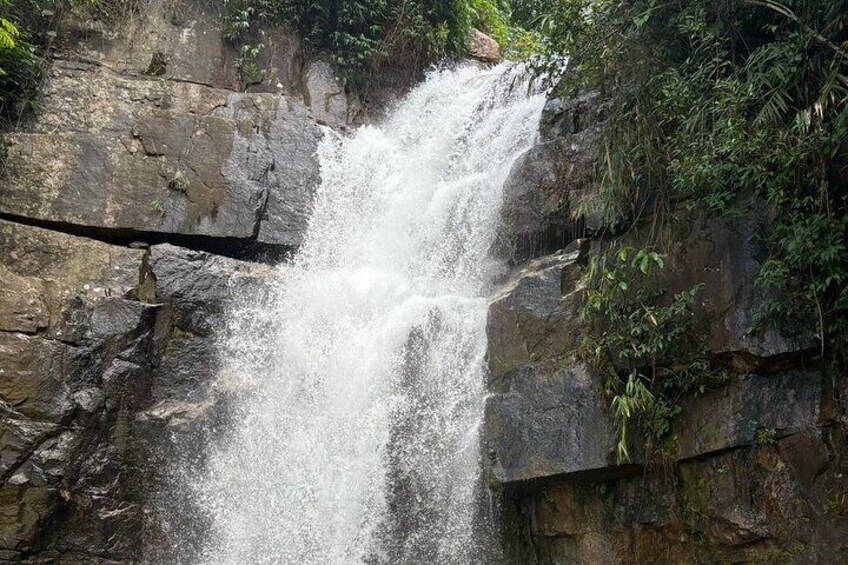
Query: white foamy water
[362,378]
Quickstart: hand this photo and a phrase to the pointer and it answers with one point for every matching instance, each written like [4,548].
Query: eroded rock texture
[143,130]
[107,355]
[163,156]
[109,338]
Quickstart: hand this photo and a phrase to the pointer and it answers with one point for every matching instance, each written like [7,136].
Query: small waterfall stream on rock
[361,378]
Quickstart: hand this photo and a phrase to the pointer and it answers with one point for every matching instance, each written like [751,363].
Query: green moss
[779,555]
[836,505]
[696,500]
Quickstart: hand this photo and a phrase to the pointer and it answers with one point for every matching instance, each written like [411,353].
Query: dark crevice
[136,76]
[245,249]
[588,476]
[43,438]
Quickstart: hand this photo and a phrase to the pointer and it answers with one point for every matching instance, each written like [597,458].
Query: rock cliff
[123,203]
[141,202]
[755,469]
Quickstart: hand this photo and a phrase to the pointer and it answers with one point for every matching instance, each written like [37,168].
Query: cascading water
[361,392]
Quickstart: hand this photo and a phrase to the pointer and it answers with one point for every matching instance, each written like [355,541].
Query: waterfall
[361,377]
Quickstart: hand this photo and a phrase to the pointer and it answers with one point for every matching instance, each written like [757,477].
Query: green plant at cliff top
[363,35]
[714,102]
[20,66]
[366,36]
[643,339]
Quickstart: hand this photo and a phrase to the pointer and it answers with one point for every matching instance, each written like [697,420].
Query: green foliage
[634,324]
[644,340]
[717,101]
[20,65]
[836,505]
[365,35]
[766,436]
[9,34]
[627,405]
[492,17]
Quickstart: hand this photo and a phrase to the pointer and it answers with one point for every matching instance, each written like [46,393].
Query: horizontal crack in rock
[245,249]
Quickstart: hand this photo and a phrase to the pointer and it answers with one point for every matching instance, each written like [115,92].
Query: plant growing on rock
[365,36]
[714,102]
[644,340]
[177,180]
[20,65]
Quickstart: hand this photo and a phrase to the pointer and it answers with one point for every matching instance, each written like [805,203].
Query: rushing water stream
[357,438]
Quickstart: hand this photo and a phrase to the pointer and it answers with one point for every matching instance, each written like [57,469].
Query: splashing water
[362,392]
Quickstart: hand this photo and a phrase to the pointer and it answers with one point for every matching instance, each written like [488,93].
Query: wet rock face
[762,505]
[548,424]
[108,373]
[109,349]
[547,415]
[54,392]
[724,255]
[751,463]
[548,184]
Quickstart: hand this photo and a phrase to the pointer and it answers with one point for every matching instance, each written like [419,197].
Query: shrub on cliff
[364,36]
[716,100]
[20,66]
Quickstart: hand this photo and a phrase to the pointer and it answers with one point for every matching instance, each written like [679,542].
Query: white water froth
[360,381]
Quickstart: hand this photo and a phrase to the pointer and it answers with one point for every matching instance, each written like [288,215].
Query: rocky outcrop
[483,48]
[163,157]
[141,130]
[755,467]
[549,184]
[760,475]
[776,503]
[108,355]
[548,424]
[68,370]
[109,344]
